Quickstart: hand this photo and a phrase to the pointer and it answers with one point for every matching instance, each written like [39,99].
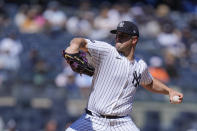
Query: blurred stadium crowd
[32,36]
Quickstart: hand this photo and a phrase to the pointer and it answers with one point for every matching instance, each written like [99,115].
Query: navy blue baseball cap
[127,27]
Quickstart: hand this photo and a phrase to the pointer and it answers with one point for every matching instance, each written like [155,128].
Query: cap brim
[113,31]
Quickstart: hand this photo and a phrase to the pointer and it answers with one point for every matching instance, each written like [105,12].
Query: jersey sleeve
[146,77]
[98,49]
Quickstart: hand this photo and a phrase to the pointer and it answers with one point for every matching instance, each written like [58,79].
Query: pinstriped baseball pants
[94,123]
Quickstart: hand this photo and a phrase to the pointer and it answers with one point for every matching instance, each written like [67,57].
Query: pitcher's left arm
[158,87]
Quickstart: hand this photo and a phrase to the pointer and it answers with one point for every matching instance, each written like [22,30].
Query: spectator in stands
[61,79]
[170,39]
[193,56]
[102,24]
[151,29]
[10,48]
[39,19]
[84,83]
[171,65]
[66,79]
[162,10]
[21,15]
[124,13]
[11,125]
[40,73]
[4,19]
[157,71]
[187,37]
[193,22]
[148,24]
[33,21]
[170,36]
[39,67]
[55,17]
[80,25]
[51,125]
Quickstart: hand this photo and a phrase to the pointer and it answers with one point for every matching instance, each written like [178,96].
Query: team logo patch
[136,79]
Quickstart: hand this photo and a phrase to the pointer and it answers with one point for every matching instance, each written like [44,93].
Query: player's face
[123,41]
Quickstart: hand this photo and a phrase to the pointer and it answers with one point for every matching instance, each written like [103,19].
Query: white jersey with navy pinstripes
[115,80]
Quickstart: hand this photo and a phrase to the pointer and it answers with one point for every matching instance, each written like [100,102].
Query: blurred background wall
[39,91]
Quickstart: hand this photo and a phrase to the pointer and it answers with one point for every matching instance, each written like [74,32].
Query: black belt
[103,116]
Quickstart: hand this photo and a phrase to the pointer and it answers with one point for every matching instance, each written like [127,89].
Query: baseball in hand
[175,99]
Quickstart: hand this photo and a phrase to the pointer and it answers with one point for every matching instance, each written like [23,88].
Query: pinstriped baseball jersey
[115,80]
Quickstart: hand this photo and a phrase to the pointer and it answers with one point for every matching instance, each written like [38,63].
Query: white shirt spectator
[61,79]
[150,29]
[83,81]
[172,42]
[114,17]
[13,47]
[9,53]
[9,62]
[72,25]
[20,18]
[80,27]
[167,39]
[56,18]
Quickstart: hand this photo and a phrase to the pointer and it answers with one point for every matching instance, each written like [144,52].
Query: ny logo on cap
[121,24]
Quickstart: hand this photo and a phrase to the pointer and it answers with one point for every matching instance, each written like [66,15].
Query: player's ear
[134,40]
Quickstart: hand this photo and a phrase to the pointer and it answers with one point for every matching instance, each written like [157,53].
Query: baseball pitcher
[117,73]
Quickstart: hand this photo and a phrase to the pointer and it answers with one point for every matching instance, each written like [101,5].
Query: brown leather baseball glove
[79,63]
